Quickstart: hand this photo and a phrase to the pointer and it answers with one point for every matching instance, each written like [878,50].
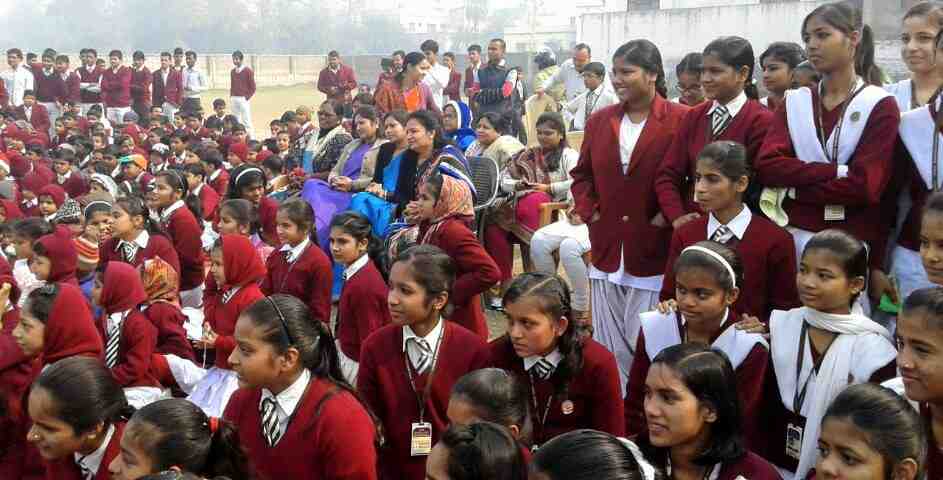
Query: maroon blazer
[75,185]
[157,246]
[330,436]
[48,88]
[750,466]
[869,172]
[242,84]
[209,201]
[453,89]
[141,86]
[469,77]
[594,391]
[769,263]
[90,76]
[476,273]
[221,184]
[344,81]
[65,468]
[675,181]
[39,118]
[138,340]
[309,279]
[168,319]
[171,92]
[185,231]
[73,88]
[385,386]
[116,87]
[626,202]
[362,309]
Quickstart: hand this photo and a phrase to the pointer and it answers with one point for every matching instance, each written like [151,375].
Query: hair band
[716,256]
[281,319]
[95,202]
[250,169]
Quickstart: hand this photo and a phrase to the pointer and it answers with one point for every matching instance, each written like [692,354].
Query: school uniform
[362,309]
[771,103]
[390,385]
[73,183]
[903,92]
[167,91]
[750,466]
[267,210]
[241,90]
[185,231]
[135,252]
[75,466]
[741,120]
[766,252]
[168,319]
[61,251]
[796,401]
[476,272]
[73,87]
[618,184]
[593,396]
[323,432]
[748,354]
[303,271]
[934,465]
[219,181]
[141,79]
[37,116]
[116,93]
[209,201]
[838,186]
[90,86]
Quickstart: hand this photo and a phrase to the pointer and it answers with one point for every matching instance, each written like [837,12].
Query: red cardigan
[476,272]
[222,318]
[209,200]
[384,384]
[39,118]
[116,87]
[171,336]
[138,341]
[73,88]
[330,436]
[242,84]
[861,192]
[65,468]
[75,185]
[184,230]
[362,309]
[751,374]
[309,279]
[769,263]
[157,246]
[595,392]
[626,202]
[675,181]
[141,86]
[171,92]
[90,76]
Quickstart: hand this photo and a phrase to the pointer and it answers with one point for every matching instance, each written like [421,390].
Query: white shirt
[165,215]
[355,267]
[17,82]
[737,225]
[115,320]
[432,339]
[629,133]
[437,79]
[287,402]
[193,82]
[28,112]
[576,108]
[571,79]
[93,461]
[553,357]
[141,240]
[296,251]
[733,107]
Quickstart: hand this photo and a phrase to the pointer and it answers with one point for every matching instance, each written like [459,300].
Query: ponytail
[864,59]
[226,457]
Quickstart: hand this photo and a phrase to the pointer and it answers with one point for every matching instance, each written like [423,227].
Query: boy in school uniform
[72,92]
[141,79]
[90,75]
[241,90]
[34,113]
[167,87]
[597,96]
[116,88]
[49,87]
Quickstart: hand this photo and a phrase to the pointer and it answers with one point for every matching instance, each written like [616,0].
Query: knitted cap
[87,252]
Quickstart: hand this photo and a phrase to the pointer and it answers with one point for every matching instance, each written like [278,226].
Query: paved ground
[270,102]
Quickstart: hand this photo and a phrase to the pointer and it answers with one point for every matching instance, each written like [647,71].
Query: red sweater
[384,384]
[751,374]
[65,468]
[157,246]
[116,87]
[330,436]
[769,263]
[344,81]
[48,88]
[222,318]
[309,279]
[221,183]
[141,86]
[675,181]
[75,185]
[869,171]
[39,119]
[171,336]
[362,309]
[184,230]
[626,202]
[594,391]
[138,341]
[267,209]
[209,200]
[476,272]
[242,84]
[73,88]
[90,76]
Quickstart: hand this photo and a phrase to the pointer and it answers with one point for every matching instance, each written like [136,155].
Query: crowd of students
[755,286]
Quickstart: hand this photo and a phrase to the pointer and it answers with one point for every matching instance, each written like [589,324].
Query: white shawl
[916,131]
[661,331]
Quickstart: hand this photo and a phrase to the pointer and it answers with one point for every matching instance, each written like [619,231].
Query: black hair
[96,206]
[553,296]
[737,53]
[482,451]
[289,323]
[499,41]
[474,48]
[243,176]
[135,207]
[243,212]
[333,54]
[545,59]
[299,212]
[430,122]
[498,121]
[700,260]
[238,54]
[213,157]
[555,121]
[195,169]
[499,397]
[928,299]
[137,55]
[586,455]
[115,53]
[789,53]
[176,433]
[710,377]
[175,179]
[643,53]
[40,300]
[358,226]
[429,46]
[596,68]
[431,268]
[337,107]
[806,66]
[398,52]
[692,63]
[891,426]
[411,59]
[851,253]
[178,51]
[449,55]
[32,228]
[729,157]
[845,17]
[84,393]
[274,163]
[367,112]
[364,99]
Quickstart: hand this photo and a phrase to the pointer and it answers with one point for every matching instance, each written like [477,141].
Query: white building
[427,16]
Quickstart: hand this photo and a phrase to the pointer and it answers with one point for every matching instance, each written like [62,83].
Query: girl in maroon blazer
[128,335]
[733,113]
[408,368]
[590,455]
[362,308]
[694,417]
[764,248]
[828,155]
[54,257]
[777,63]
[179,211]
[497,396]
[708,280]
[240,217]
[248,182]
[135,237]
[879,432]
[162,308]
[79,414]
[573,382]
[176,434]
[296,415]
[614,194]
[299,267]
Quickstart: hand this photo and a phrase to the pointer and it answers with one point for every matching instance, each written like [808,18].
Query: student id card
[834,213]
[793,441]
[420,439]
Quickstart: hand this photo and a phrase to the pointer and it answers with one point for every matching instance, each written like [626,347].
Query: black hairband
[281,319]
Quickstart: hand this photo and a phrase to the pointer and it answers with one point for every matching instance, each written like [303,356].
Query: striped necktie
[423,355]
[543,369]
[589,106]
[111,347]
[719,120]
[270,429]
[723,235]
[128,250]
